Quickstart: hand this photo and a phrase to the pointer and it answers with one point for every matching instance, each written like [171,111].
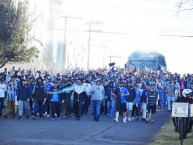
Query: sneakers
[27,116]
[110,115]
[52,118]
[116,120]
[137,118]
[58,118]
[176,129]
[20,118]
[78,119]
[147,121]
[151,121]
[33,117]
[143,119]
[124,120]
[129,119]
[5,116]
[96,119]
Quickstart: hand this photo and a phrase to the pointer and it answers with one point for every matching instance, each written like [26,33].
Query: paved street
[73,132]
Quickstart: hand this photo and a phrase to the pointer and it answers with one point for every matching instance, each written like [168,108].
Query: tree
[15,38]
[185,5]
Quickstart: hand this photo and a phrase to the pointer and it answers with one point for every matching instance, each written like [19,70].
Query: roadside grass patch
[167,136]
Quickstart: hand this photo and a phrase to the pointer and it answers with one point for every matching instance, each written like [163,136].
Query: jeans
[96,108]
[144,107]
[1,105]
[111,107]
[24,104]
[162,100]
[38,108]
[170,99]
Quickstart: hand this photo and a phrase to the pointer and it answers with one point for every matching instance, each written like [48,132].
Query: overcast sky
[128,25]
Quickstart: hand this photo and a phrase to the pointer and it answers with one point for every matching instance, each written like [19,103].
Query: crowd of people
[132,93]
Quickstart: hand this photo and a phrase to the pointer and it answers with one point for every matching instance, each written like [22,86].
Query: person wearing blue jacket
[39,98]
[48,86]
[24,93]
[55,100]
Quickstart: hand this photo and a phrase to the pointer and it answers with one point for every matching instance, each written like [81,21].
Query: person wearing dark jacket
[67,97]
[109,90]
[48,86]
[79,97]
[130,99]
[144,101]
[39,97]
[60,86]
[87,85]
[31,85]
[24,93]
[152,102]
[120,95]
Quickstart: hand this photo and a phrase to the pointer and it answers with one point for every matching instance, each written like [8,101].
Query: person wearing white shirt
[2,95]
[79,97]
[87,87]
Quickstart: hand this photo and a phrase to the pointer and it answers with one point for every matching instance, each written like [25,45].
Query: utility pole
[88,57]
[66,51]
[89,39]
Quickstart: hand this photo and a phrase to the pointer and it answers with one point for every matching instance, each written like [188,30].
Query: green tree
[15,38]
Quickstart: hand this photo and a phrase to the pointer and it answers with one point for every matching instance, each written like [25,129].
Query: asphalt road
[83,132]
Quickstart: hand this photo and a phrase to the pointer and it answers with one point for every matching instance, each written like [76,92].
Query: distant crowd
[132,93]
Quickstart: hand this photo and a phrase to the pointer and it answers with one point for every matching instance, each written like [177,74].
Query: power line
[111,32]
[176,35]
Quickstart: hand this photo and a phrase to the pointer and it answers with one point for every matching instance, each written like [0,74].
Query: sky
[139,25]
[123,26]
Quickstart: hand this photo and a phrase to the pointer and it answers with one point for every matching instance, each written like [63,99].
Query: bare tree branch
[185,10]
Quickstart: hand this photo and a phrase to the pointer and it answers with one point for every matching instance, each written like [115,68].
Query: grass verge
[167,136]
